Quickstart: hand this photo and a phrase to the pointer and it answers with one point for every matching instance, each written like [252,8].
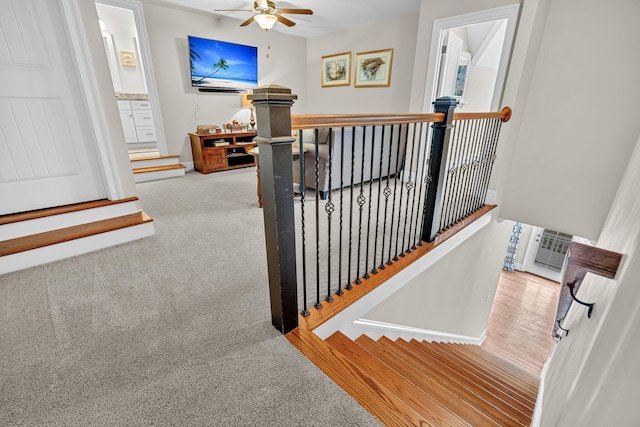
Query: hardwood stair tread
[415,354]
[478,367]
[497,389]
[424,404]
[142,159]
[468,406]
[159,168]
[35,241]
[60,210]
[499,366]
[388,409]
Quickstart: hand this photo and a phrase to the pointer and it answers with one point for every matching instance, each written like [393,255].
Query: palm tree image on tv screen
[222,65]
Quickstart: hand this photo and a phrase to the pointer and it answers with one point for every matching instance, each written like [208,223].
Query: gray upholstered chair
[337,154]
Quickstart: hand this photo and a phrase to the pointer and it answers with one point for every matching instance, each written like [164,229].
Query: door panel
[548,251]
[47,149]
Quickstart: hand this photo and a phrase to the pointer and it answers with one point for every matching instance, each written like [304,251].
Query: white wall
[182,106]
[592,377]
[579,123]
[398,34]
[455,294]
[120,23]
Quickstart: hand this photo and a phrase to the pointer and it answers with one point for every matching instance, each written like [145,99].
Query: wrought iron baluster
[484,140]
[380,181]
[361,201]
[329,208]
[404,160]
[395,191]
[409,186]
[318,304]
[459,211]
[413,240]
[305,311]
[447,186]
[492,157]
[353,161]
[424,161]
[368,238]
[387,193]
[477,130]
[340,292]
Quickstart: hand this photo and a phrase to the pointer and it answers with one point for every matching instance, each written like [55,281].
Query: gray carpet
[173,329]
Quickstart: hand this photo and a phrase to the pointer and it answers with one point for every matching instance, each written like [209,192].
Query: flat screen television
[222,66]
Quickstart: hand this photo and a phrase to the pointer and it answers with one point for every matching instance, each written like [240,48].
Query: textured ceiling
[328,16]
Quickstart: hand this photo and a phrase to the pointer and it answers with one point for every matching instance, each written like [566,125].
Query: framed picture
[336,69]
[127,58]
[373,68]
[462,74]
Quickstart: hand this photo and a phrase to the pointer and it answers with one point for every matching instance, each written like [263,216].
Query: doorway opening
[469,58]
[127,50]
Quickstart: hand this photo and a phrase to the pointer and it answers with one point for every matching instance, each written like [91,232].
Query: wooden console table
[211,155]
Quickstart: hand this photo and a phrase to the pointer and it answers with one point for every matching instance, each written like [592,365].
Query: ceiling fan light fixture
[266,21]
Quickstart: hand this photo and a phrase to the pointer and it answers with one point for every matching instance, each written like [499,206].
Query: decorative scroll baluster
[477,127]
[410,185]
[404,159]
[374,270]
[387,193]
[497,124]
[462,208]
[368,238]
[361,200]
[329,208]
[418,179]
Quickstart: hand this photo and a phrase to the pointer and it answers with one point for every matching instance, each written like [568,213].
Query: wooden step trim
[477,366]
[499,365]
[330,309]
[424,404]
[35,241]
[499,398]
[384,406]
[450,377]
[142,159]
[474,411]
[60,210]
[159,168]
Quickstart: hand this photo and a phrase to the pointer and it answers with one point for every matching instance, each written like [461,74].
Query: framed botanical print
[373,68]
[336,69]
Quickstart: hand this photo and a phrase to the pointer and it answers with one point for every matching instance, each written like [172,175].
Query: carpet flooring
[173,329]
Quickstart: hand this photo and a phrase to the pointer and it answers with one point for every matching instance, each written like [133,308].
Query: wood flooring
[422,383]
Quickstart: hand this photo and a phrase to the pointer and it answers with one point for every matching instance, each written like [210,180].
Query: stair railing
[370,189]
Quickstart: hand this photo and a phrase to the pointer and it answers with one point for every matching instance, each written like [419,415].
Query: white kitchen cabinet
[137,121]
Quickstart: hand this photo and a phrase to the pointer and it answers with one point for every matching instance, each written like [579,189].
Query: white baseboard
[359,308]
[374,330]
[518,266]
[32,258]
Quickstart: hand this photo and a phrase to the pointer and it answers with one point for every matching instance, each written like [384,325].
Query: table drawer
[143,117]
[140,105]
[146,134]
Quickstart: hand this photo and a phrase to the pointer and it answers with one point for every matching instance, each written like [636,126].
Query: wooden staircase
[419,383]
[152,168]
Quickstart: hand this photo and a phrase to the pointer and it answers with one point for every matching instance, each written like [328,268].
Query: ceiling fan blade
[285,21]
[296,11]
[248,21]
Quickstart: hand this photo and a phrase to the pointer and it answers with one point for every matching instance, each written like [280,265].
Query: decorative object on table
[234,126]
[127,58]
[246,103]
[267,14]
[335,70]
[373,69]
[208,129]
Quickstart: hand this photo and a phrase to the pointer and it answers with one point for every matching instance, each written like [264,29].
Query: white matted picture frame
[373,69]
[336,70]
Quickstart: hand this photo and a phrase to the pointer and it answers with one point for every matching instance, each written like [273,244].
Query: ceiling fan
[267,14]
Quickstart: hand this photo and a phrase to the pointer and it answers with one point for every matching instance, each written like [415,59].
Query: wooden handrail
[314,121]
[504,114]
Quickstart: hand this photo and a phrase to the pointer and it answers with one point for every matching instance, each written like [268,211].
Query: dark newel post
[437,166]
[273,110]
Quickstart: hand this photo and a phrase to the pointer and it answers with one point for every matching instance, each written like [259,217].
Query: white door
[451,53]
[546,253]
[47,150]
